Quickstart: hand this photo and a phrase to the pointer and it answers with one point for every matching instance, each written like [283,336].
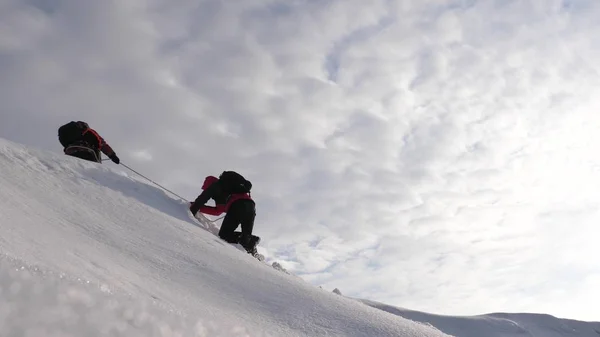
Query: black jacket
[213,191]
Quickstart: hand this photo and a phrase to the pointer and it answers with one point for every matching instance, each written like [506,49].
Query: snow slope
[498,324]
[88,250]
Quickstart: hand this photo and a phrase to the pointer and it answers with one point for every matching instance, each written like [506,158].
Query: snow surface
[498,324]
[90,250]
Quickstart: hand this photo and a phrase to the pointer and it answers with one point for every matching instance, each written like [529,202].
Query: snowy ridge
[86,247]
[497,324]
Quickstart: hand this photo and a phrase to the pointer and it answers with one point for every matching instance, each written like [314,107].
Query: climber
[81,141]
[231,193]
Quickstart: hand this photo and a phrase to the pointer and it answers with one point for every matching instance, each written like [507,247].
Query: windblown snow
[89,250]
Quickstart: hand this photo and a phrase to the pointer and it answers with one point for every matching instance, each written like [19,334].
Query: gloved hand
[115,159]
[194,208]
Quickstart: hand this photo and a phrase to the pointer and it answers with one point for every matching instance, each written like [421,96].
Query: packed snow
[91,250]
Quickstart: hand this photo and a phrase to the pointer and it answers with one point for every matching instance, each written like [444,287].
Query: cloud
[440,157]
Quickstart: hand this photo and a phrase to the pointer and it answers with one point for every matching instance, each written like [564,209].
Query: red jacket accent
[219,208]
[236,197]
[102,145]
[216,211]
[209,181]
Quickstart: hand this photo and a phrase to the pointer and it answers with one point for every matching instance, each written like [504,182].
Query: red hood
[209,181]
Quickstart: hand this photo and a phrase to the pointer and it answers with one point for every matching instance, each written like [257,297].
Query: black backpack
[233,182]
[71,132]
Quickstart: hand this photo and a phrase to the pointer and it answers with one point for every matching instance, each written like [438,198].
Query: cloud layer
[437,157]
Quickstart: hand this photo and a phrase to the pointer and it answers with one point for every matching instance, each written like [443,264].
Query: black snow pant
[242,212]
[83,152]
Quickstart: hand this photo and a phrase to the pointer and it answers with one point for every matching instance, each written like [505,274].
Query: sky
[434,155]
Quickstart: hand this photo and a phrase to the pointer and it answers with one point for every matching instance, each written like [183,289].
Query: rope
[164,188]
[155,183]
